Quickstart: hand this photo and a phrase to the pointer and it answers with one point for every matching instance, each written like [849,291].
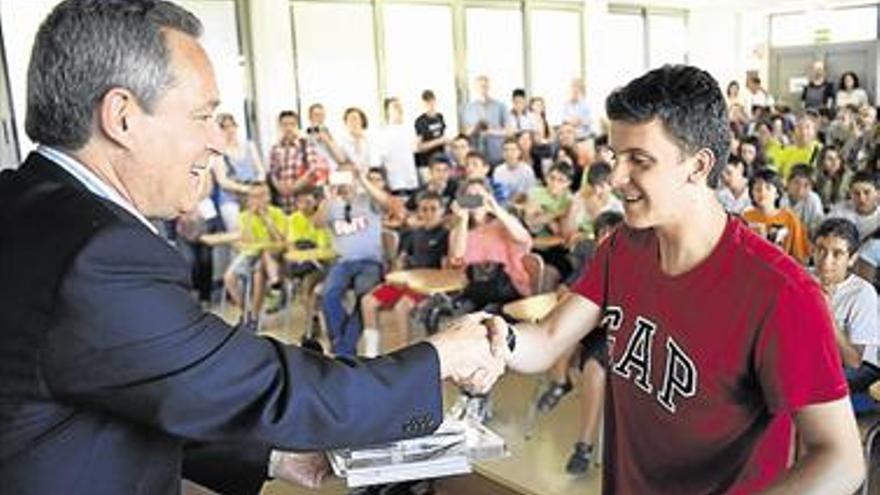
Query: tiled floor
[535,465]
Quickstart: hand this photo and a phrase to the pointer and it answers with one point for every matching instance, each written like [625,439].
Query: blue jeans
[345,328]
[859,379]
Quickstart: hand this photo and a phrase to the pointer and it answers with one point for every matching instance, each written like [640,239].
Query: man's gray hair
[85,48]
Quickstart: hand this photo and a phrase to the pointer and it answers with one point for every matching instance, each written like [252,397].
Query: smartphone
[341,178]
[470,201]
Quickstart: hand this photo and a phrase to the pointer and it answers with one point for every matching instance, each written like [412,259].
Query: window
[824,25]
[220,41]
[555,40]
[667,39]
[495,49]
[335,70]
[419,55]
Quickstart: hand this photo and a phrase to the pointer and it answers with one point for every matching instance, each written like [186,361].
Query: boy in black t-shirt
[420,247]
[430,128]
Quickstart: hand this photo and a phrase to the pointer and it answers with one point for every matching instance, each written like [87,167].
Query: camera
[470,201]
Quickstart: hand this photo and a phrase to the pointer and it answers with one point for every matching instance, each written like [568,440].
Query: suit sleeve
[129,339]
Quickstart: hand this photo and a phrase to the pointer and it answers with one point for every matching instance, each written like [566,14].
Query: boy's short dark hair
[598,173]
[378,170]
[429,196]
[689,105]
[438,158]
[562,168]
[866,176]
[840,228]
[801,170]
[288,113]
[476,154]
[428,95]
[308,190]
[510,140]
[606,220]
[519,93]
[768,176]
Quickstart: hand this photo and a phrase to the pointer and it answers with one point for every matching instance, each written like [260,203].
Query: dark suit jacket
[108,367]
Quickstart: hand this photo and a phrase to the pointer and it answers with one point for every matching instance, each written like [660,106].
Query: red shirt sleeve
[796,356]
[591,283]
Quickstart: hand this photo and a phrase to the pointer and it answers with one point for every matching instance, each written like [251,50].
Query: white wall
[21,19]
[274,82]
[715,43]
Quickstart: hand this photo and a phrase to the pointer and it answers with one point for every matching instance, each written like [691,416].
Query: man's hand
[466,354]
[305,469]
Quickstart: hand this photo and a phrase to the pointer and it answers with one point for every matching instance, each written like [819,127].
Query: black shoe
[579,461]
[553,395]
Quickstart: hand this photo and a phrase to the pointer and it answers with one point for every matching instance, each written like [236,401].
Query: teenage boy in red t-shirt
[719,343]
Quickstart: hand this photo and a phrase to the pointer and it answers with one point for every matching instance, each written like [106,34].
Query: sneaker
[551,397]
[579,461]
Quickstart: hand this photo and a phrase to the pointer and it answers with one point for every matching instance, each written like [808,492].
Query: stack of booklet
[449,451]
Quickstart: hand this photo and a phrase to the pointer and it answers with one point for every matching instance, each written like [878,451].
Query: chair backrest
[390,247]
[534,265]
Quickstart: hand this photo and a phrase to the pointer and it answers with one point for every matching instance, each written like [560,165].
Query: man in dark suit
[112,378]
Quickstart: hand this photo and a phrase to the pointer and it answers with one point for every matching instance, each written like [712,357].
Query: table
[436,283]
[429,281]
[531,309]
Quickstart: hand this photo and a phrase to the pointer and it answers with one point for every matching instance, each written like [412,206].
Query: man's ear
[701,165]
[116,113]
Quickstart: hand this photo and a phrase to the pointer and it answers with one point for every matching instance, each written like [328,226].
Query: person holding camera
[353,212]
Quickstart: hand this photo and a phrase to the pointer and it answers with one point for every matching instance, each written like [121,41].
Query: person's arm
[800,374]
[129,341]
[275,234]
[423,145]
[832,462]
[458,233]
[378,195]
[865,270]
[513,226]
[218,166]
[850,354]
[539,346]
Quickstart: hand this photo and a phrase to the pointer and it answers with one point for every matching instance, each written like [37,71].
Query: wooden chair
[534,265]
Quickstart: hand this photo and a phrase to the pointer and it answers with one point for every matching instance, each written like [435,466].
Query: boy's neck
[685,243]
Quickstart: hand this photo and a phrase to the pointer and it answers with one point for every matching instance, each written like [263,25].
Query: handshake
[473,351]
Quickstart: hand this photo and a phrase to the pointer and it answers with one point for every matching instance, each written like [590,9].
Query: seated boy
[260,223]
[422,247]
[304,233]
[853,304]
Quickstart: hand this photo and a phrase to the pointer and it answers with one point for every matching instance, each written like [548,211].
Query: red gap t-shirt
[707,367]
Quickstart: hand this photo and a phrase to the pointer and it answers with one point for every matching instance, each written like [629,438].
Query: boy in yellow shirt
[261,225]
